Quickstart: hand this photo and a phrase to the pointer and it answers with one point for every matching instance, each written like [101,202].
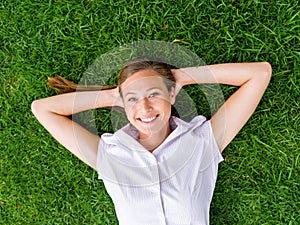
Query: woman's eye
[131,99]
[153,95]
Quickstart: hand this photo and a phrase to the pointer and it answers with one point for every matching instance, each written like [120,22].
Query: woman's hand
[118,99]
[180,77]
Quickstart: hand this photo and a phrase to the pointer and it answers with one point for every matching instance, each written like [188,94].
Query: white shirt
[171,186]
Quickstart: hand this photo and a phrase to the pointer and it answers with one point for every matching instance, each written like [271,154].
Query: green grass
[42,183]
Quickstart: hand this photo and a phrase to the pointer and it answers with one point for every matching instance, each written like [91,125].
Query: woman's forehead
[143,80]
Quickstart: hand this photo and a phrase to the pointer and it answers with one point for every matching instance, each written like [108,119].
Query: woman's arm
[253,79]
[53,114]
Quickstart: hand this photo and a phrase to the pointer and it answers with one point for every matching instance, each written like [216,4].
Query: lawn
[42,183]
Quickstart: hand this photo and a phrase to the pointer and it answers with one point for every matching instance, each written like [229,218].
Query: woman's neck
[151,142]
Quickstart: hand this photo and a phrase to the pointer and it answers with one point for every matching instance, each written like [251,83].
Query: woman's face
[147,102]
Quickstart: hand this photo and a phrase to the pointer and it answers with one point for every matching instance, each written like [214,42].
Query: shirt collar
[128,136]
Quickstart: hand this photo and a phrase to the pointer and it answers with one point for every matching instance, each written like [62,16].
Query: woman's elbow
[268,70]
[265,73]
[36,107]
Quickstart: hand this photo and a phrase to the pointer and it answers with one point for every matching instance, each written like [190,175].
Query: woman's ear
[172,95]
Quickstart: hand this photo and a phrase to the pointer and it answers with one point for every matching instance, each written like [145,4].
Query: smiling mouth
[148,119]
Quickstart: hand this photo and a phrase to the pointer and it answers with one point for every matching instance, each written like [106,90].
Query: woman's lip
[147,119]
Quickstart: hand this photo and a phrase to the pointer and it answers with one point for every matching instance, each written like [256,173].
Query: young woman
[158,169]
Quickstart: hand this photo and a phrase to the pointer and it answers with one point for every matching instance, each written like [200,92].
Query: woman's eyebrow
[153,88]
[149,89]
[130,93]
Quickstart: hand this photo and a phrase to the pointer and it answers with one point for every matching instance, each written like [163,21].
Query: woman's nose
[144,104]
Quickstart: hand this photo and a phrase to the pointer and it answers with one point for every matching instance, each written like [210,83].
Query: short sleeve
[100,155]
[208,148]
[105,142]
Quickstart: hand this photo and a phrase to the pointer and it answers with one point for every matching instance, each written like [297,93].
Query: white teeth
[148,119]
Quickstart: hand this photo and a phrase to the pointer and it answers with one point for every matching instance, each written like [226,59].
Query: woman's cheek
[129,110]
